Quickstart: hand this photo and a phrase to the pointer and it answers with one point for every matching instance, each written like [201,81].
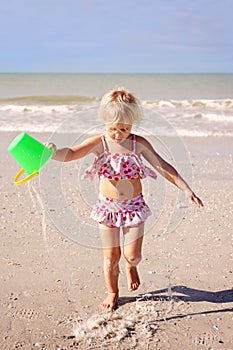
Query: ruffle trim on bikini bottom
[120,213]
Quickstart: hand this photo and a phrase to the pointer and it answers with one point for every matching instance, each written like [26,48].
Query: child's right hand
[51,146]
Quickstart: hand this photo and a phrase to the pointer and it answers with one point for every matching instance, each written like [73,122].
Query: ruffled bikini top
[119,166]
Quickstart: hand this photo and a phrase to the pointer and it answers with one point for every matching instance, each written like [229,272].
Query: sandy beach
[51,286]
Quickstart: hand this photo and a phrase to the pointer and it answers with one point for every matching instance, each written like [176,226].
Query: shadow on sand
[185,294]
[182,293]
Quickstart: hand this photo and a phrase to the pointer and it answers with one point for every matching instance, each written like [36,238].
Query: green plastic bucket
[30,154]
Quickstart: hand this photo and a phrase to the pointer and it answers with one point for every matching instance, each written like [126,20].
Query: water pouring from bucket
[30,154]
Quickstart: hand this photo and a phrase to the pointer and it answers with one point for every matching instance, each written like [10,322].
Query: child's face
[119,131]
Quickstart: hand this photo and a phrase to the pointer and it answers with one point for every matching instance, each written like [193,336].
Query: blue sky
[122,36]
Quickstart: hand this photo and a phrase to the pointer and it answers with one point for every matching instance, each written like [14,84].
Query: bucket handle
[29,177]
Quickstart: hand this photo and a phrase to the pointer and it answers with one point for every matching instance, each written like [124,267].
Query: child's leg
[111,246]
[132,252]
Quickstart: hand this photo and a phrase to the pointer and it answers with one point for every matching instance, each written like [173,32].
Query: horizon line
[122,73]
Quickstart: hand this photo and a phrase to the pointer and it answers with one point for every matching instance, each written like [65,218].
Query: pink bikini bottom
[120,213]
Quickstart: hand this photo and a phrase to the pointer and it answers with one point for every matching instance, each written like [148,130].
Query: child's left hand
[194,199]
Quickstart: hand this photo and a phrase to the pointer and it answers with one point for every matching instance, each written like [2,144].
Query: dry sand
[51,287]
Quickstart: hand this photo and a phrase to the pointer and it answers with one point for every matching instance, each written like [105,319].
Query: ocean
[194,105]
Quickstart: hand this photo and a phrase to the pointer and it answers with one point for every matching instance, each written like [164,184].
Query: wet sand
[51,286]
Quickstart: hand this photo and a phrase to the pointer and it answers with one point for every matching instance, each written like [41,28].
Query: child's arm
[68,154]
[167,170]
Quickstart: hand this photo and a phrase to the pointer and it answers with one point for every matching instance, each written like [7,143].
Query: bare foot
[110,303]
[132,278]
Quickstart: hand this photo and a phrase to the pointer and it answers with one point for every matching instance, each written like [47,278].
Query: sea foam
[70,114]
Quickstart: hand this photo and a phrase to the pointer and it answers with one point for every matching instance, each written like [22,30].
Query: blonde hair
[120,106]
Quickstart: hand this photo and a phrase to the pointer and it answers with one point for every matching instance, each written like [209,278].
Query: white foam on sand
[116,326]
[136,324]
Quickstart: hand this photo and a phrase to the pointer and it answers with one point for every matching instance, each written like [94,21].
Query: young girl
[120,169]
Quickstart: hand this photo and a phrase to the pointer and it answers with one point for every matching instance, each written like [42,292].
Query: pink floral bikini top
[119,166]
